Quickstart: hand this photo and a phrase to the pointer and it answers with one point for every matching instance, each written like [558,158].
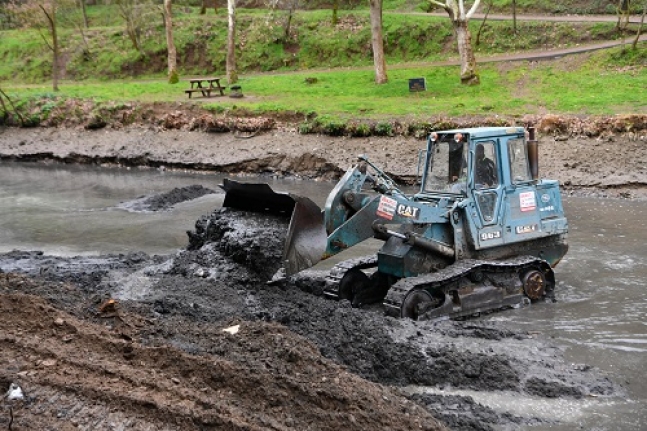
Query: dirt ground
[608,164]
[197,340]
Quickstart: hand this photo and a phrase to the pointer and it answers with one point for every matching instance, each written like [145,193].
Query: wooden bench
[206,92]
[205,86]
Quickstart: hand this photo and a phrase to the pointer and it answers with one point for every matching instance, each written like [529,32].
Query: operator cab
[456,163]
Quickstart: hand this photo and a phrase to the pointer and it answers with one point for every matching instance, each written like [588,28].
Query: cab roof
[484,132]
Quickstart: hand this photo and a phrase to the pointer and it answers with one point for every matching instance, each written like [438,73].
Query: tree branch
[15,110]
[51,26]
[51,48]
[437,3]
[472,10]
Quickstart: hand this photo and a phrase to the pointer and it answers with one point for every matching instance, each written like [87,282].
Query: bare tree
[623,14]
[85,14]
[206,4]
[335,8]
[5,115]
[232,74]
[460,19]
[135,13]
[294,4]
[43,17]
[634,45]
[170,43]
[482,26]
[377,42]
[514,16]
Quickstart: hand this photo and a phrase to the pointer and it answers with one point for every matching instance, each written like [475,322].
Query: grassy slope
[313,42]
[509,89]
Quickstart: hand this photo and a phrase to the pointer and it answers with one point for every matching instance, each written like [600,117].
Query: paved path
[633,19]
[542,54]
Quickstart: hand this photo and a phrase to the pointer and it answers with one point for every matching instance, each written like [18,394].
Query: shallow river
[600,318]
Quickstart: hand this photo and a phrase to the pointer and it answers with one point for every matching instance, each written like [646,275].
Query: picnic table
[205,86]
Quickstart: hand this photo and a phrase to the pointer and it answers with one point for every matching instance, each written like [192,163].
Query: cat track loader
[483,232]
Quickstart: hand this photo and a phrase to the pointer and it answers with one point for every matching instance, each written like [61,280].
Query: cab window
[519,167]
[486,172]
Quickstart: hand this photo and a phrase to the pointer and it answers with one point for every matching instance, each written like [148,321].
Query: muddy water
[600,318]
[601,314]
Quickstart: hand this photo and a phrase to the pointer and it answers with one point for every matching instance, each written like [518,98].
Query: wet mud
[298,361]
[157,357]
[166,201]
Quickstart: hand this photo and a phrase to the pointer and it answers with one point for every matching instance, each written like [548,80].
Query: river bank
[606,165]
[159,358]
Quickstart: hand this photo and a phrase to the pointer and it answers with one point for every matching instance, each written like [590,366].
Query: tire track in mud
[94,368]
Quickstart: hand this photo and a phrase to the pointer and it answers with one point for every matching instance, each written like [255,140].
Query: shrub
[384,129]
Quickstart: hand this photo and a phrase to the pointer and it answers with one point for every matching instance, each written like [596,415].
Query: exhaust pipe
[533,153]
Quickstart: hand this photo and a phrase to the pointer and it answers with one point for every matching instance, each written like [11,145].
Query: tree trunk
[634,45]
[85,14]
[514,16]
[482,26]
[57,56]
[170,43]
[232,74]
[623,14]
[50,15]
[469,75]
[335,7]
[377,42]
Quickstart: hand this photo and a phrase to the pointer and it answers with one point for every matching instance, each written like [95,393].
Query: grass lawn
[586,84]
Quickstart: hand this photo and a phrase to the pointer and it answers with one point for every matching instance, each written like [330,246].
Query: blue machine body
[454,215]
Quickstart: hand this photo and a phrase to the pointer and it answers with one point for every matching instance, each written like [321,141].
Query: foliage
[313,41]
[174,78]
[341,97]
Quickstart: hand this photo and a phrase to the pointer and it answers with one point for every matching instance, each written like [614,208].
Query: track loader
[483,232]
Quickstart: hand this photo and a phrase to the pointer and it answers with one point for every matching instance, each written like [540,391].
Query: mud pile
[299,361]
[89,376]
[165,201]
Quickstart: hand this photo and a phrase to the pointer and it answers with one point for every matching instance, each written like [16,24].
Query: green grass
[312,43]
[347,94]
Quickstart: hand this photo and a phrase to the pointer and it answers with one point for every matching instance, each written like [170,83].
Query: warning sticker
[527,201]
[386,208]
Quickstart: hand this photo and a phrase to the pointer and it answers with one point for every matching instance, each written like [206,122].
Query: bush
[384,129]
[174,78]
[359,130]
[334,128]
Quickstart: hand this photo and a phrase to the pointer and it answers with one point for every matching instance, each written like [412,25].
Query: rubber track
[438,280]
[338,271]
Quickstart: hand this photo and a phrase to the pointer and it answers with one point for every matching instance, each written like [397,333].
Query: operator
[484,168]
[456,159]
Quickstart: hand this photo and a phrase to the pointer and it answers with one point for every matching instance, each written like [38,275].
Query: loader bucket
[306,239]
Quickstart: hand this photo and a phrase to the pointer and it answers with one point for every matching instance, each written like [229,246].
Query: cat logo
[408,211]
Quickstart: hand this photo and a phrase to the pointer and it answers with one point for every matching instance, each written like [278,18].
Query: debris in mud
[165,201]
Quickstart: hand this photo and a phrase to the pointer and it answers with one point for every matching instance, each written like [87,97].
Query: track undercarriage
[464,289]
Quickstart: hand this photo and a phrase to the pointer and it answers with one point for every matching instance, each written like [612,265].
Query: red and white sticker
[386,207]
[527,201]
